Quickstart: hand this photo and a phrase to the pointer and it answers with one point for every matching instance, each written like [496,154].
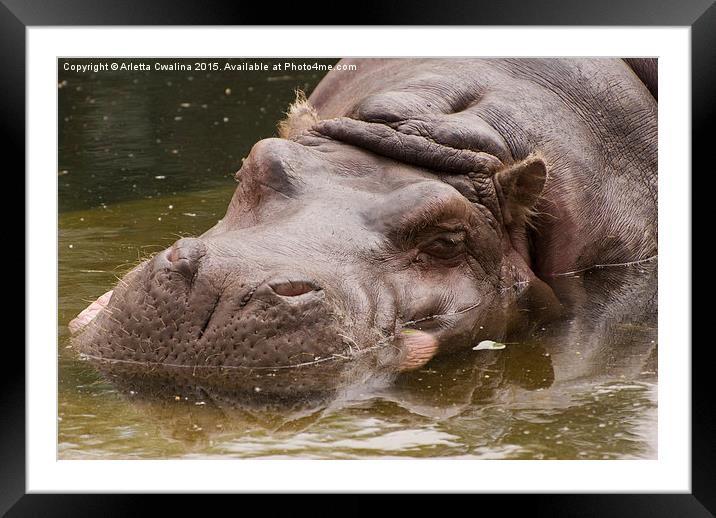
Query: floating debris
[489,345]
[160,177]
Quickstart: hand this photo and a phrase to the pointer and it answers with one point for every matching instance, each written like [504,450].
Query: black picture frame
[17,15]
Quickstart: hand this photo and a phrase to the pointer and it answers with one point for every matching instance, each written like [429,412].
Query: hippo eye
[445,246]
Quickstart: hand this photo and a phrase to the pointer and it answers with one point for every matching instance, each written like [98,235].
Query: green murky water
[147,157]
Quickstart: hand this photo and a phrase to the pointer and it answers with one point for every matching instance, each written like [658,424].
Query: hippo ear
[520,186]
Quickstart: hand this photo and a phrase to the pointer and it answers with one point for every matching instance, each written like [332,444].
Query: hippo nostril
[173,255]
[184,256]
[184,267]
[293,288]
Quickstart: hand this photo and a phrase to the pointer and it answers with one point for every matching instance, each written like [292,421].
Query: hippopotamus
[408,209]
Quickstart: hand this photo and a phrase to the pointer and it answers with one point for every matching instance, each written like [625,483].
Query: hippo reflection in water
[410,209]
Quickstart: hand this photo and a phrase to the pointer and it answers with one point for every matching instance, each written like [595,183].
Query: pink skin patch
[419,348]
[89,313]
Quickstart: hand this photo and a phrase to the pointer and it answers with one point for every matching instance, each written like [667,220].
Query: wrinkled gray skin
[435,204]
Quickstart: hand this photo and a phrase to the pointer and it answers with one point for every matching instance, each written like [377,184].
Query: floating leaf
[488,344]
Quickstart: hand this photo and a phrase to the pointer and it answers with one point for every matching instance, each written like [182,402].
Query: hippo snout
[224,321]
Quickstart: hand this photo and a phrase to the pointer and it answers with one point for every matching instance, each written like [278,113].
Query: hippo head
[333,264]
